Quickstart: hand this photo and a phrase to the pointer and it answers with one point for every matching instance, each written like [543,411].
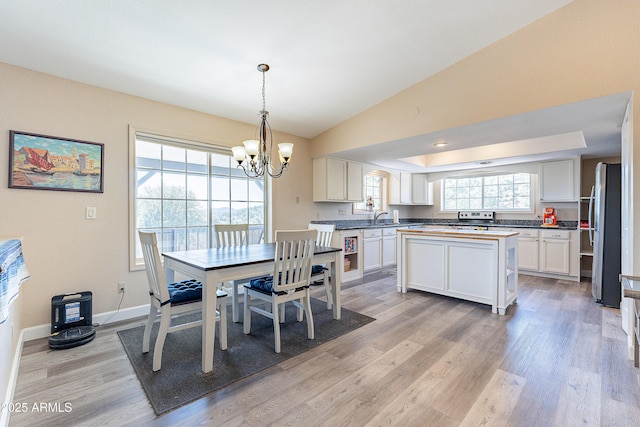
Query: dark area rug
[181,379]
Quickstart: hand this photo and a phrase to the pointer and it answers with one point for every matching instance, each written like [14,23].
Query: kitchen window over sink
[508,192]
[375,194]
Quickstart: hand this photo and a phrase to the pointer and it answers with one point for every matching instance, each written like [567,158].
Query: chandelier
[255,155]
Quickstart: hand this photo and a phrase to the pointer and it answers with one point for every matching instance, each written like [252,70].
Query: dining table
[217,265]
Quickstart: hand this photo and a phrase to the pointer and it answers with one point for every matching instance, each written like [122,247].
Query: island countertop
[472,234]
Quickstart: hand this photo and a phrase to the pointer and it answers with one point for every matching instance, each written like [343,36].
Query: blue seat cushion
[317,269]
[265,285]
[185,291]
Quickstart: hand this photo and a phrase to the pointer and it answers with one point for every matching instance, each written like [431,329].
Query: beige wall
[66,253]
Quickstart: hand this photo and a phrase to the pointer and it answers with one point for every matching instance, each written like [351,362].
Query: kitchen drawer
[555,234]
[389,231]
[524,232]
[371,233]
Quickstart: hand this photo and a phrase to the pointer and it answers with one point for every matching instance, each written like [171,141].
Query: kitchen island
[474,265]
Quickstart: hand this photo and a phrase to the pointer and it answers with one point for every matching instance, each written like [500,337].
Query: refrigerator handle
[591,200]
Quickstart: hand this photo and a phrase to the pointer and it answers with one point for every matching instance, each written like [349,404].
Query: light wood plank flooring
[555,359]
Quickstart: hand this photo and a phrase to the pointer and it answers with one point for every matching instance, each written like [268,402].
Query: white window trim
[384,188]
[180,142]
[532,194]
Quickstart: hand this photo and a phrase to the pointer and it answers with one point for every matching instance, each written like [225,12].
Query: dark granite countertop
[354,224]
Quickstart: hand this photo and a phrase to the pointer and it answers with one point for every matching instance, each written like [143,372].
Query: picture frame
[43,162]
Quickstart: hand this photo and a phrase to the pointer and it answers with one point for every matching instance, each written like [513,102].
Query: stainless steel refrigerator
[606,235]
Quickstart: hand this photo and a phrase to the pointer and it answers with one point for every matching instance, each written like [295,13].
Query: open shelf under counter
[351,243]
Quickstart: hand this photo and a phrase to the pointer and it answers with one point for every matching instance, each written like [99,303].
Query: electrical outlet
[122,287]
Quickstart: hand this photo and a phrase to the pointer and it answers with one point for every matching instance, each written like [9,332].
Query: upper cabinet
[558,181]
[405,188]
[337,180]
[410,189]
[421,190]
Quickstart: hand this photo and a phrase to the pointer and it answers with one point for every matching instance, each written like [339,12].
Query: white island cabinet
[475,265]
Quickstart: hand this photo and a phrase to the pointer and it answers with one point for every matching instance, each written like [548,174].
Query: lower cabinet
[553,252]
[528,250]
[372,248]
[379,248]
[388,246]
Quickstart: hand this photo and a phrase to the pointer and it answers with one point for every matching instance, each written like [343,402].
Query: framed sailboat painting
[41,162]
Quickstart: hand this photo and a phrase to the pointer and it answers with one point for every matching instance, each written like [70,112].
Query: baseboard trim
[41,331]
[549,275]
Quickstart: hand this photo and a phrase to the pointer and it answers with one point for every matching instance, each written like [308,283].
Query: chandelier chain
[264,102]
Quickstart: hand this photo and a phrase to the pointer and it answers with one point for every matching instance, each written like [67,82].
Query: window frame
[532,191]
[135,263]
[384,190]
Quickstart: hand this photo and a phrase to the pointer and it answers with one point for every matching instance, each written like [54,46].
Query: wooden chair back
[325,233]
[231,234]
[292,261]
[153,265]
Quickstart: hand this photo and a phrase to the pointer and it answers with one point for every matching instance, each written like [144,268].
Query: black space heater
[71,320]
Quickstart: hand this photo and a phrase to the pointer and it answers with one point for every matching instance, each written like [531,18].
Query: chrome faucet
[377,215]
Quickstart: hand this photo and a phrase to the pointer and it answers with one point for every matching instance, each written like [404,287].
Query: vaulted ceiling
[329,59]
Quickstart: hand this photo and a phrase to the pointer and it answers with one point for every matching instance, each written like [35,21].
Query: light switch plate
[90,212]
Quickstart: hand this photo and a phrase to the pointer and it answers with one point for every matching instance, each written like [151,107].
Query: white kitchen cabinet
[337,180]
[405,188]
[528,250]
[558,182]
[399,188]
[355,177]
[554,251]
[393,188]
[372,248]
[410,189]
[388,246]
[421,190]
[379,248]
[548,252]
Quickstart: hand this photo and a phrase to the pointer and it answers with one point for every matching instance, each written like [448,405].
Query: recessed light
[440,144]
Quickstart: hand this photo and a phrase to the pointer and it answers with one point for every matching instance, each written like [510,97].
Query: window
[375,196]
[181,189]
[510,192]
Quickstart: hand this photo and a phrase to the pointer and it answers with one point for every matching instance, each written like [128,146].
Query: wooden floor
[555,359]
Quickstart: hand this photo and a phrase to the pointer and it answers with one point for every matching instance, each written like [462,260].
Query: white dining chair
[171,299]
[233,235]
[288,283]
[321,272]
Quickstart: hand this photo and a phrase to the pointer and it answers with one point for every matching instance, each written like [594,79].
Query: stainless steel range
[479,220]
